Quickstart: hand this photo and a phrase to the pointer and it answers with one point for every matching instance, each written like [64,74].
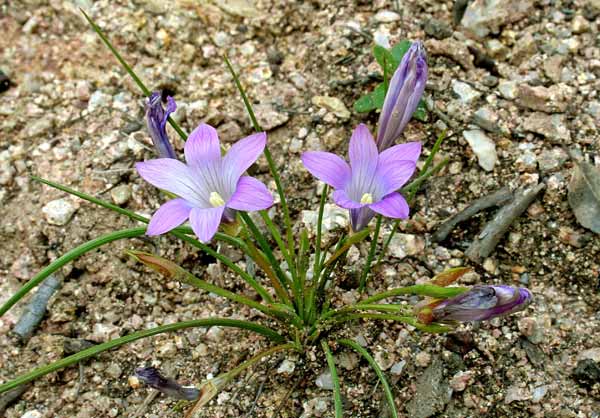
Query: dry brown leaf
[584,195]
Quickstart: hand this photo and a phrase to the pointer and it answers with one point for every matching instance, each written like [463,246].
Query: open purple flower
[403,95]
[371,180]
[481,303]
[156,119]
[207,184]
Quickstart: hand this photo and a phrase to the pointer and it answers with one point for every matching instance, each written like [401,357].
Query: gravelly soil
[72,115]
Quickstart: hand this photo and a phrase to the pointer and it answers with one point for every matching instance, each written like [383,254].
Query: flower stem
[337,397]
[97,349]
[367,267]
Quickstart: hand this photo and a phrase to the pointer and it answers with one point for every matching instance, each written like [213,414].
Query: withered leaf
[584,195]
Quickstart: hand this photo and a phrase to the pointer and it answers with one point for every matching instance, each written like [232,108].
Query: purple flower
[481,303]
[403,95]
[371,180]
[208,184]
[156,119]
[152,377]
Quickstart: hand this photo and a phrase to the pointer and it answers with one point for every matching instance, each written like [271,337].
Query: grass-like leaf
[337,396]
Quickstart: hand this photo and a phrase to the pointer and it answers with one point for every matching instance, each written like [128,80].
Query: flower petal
[409,151]
[327,167]
[202,146]
[392,175]
[170,215]
[173,176]
[392,206]
[250,194]
[363,162]
[242,155]
[360,218]
[340,197]
[205,222]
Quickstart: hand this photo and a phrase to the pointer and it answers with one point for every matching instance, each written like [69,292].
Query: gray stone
[241,8]
[550,100]
[39,127]
[496,49]
[552,159]
[384,359]
[99,100]
[324,381]
[438,29]
[32,414]
[484,16]
[59,211]
[483,147]
[553,67]
[121,194]
[386,16]
[516,393]
[334,217]
[397,368]
[286,367]
[403,245]
[465,92]
[486,119]
[508,89]
[333,104]
[432,394]
[7,172]
[269,116]
[552,127]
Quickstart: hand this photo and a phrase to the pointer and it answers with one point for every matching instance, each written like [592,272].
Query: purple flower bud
[152,377]
[403,95]
[482,303]
[156,119]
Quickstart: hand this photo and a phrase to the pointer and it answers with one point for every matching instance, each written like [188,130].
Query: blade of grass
[68,257]
[337,396]
[367,268]
[433,291]
[128,68]
[97,349]
[386,387]
[409,320]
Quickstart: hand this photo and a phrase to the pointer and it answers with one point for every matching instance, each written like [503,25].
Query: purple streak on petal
[175,177]
[229,215]
[250,195]
[153,378]
[242,155]
[205,222]
[392,206]
[409,152]
[202,147]
[393,175]
[360,218]
[403,95]
[170,215]
[156,121]
[327,167]
[363,162]
[341,199]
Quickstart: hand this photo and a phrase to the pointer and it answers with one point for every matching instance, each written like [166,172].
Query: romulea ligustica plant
[211,191]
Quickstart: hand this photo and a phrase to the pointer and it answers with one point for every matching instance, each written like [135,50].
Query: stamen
[366,199]
[216,200]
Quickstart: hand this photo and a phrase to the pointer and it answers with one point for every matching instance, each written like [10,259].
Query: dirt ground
[514,84]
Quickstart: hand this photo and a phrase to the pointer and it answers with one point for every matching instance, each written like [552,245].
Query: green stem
[409,320]
[433,291]
[317,265]
[386,387]
[95,350]
[269,157]
[68,257]
[337,396]
[128,68]
[367,267]
[277,237]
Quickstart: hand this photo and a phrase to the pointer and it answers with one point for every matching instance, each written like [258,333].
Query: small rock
[269,116]
[98,100]
[114,370]
[587,372]
[438,29]
[523,49]
[486,119]
[286,367]
[384,359]
[403,245]
[592,354]
[496,49]
[240,8]
[32,414]
[553,67]
[386,16]
[59,211]
[167,349]
[549,100]
[572,237]
[39,127]
[324,381]
[347,360]
[483,147]
[539,393]
[121,194]
[333,104]
[515,394]
[397,368]
[104,332]
[432,392]
[7,172]
[453,49]
[484,16]
[316,407]
[215,334]
[552,159]
[460,380]
[532,329]
[552,127]
[422,359]
[508,89]
[334,217]
[579,24]
[465,92]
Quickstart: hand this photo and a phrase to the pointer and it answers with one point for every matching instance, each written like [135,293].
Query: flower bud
[403,95]
[152,377]
[156,119]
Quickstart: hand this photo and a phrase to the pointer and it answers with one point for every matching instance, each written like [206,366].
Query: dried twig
[497,198]
[483,245]
[36,308]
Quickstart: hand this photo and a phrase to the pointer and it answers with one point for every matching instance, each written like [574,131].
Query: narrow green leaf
[386,387]
[371,101]
[97,349]
[421,113]
[337,396]
[433,291]
[399,50]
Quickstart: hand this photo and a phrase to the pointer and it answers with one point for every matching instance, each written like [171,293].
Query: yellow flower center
[216,200]
[366,199]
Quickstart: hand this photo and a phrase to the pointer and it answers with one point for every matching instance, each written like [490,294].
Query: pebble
[98,100]
[121,194]
[515,394]
[483,147]
[32,414]
[386,16]
[486,119]
[334,217]
[531,328]
[438,29]
[384,359]
[39,127]
[422,359]
[484,17]
[324,381]
[397,368]
[508,89]
[7,172]
[347,360]
[552,127]
[286,367]
[460,380]
[104,332]
[269,117]
[316,407]
[403,245]
[333,104]
[545,99]
[465,92]
[114,371]
[552,159]
[538,393]
[59,211]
